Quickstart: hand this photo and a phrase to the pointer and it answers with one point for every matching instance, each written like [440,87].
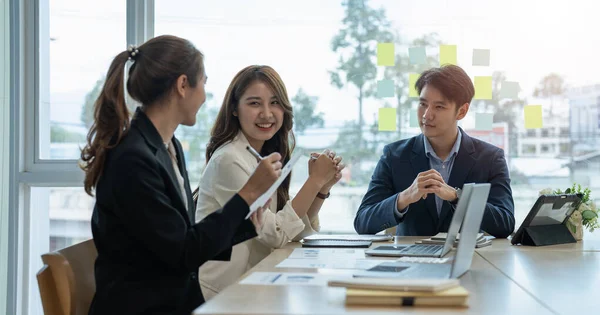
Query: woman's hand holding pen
[265,174]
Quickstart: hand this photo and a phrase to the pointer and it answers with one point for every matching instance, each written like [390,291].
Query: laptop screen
[470,228]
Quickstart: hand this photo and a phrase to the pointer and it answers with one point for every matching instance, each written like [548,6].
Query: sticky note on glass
[509,90]
[417,55]
[387,119]
[481,57]
[483,88]
[412,80]
[414,118]
[385,54]
[533,116]
[385,88]
[484,121]
[447,54]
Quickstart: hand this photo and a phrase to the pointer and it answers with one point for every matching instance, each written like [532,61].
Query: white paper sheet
[361,264]
[288,278]
[328,253]
[285,171]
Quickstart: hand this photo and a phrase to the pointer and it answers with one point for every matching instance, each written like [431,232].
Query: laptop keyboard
[423,250]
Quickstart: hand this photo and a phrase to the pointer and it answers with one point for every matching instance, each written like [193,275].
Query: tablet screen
[547,215]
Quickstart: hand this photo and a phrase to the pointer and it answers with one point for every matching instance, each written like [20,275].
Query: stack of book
[403,292]
[440,238]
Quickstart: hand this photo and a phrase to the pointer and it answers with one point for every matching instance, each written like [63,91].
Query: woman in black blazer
[149,249]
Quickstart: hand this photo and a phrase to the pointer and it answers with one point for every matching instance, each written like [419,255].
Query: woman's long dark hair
[227,126]
[157,65]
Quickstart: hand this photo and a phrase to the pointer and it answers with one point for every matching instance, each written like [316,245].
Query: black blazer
[477,162]
[149,250]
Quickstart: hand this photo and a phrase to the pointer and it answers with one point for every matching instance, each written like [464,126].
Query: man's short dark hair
[452,81]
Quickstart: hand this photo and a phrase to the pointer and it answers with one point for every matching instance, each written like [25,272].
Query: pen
[254,153]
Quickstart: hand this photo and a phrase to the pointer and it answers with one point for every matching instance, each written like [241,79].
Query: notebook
[456,296]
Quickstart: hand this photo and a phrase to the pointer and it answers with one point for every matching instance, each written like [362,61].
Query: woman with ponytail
[149,246]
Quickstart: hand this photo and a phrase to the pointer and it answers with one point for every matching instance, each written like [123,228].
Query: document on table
[350,237]
[285,171]
[328,253]
[361,264]
[288,278]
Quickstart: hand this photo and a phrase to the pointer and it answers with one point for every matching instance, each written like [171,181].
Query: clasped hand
[429,182]
[326,167]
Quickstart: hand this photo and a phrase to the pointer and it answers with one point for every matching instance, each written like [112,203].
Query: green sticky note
[412,79]
[533,116]
[414,118]
[484,121]
[483,88]
[481,57]
[385,88]
[447,54]
[510,90]
[417,55]
[385,54]
[387,119]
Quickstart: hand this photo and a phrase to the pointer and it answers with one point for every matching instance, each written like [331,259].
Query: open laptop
[464,252]
[429,250]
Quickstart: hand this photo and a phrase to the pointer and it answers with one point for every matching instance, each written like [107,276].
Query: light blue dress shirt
[443,167]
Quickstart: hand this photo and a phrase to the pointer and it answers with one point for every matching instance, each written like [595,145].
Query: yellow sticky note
[447,54]
[412,79]
[385,54]
[533,116]
[387,119]
[483,88]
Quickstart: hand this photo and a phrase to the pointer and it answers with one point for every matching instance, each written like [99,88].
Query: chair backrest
[67,283]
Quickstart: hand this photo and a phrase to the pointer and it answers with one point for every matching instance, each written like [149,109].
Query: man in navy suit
[418,181]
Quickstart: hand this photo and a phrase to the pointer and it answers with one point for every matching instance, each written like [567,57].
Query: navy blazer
[149,249]
[477,162]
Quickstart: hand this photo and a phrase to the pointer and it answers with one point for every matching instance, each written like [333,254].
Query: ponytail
[111,122]
[157,65]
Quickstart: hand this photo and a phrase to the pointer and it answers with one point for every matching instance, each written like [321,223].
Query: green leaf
[589,214]
[568,191]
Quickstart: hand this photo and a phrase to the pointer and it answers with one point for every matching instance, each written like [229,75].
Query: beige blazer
[225,174]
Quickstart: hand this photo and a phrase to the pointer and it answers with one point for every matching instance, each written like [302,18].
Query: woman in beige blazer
[256,112]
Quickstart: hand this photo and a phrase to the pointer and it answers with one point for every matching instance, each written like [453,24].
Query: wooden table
[492,289]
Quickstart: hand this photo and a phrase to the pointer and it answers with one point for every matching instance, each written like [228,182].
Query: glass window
[529,149]
[60,218]
[76,48]
[323,54]
[70,211]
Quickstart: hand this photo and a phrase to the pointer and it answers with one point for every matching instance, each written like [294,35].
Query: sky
[527,40]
